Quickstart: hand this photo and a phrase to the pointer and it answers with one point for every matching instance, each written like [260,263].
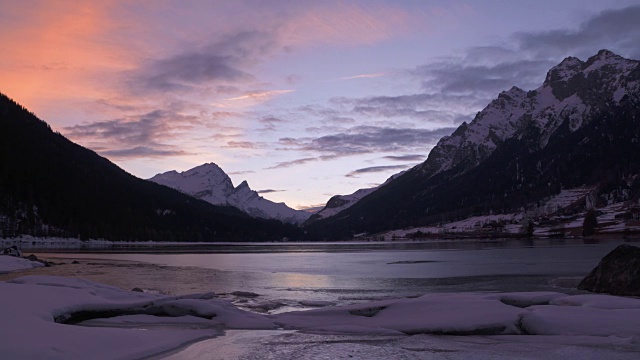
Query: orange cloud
[58,50]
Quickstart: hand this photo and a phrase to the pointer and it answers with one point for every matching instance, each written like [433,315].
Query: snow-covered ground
[30,242]
[11,263]
[63,318]
[546,218]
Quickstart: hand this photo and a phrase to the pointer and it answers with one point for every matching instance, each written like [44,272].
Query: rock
[75,262]
[618,273]
[12,251]
[137,289]
[32,257]
[245,294]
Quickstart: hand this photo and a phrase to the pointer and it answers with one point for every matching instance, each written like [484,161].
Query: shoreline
[58,245]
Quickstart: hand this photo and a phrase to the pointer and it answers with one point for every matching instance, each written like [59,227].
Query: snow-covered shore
[54,317]
[63,318]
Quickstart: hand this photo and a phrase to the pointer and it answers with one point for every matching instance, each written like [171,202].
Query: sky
[303,99]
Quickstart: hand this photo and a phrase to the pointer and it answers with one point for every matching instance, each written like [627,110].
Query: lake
[289,276]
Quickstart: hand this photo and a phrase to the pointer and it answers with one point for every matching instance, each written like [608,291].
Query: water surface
[286,276]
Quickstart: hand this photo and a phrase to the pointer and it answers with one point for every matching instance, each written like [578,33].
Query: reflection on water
[289,280]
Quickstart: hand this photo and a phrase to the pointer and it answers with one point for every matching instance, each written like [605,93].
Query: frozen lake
[292,275]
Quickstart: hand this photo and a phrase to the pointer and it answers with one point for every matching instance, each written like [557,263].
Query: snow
[349,200]
[207,182]
[473,223]
[545,208]
[28,241]
[479,314]
[211,184]
[572,320]
[31,305]
[464,313]
[11,263]
[607,58]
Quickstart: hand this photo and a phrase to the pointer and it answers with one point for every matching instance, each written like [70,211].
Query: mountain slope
[580,127]
[211,184]
[338,203]
[51,186]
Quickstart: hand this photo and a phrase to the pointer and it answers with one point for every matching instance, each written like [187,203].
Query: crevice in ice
[521,326]
[367,312]
[523,303]
[493,330]
[152,310]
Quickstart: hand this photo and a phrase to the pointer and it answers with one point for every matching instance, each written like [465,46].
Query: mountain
[580,127]
[211,184]
[50,186]
[338,203]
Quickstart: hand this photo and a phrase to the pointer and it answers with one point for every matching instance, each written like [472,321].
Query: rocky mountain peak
[605,54]
[564,71]
[210,183]
[572,89]
[242,186]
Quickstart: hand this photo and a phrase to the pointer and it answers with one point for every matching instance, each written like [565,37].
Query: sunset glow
[313,98]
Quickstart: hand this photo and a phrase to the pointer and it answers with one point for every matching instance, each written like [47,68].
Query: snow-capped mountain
[580,127]
[211,184]
[573,90]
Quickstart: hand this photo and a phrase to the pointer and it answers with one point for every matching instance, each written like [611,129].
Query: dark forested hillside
[52,186]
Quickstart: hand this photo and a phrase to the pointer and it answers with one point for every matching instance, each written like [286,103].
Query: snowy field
[50,317]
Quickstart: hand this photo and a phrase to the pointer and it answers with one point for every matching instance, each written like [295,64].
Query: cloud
[363,76]
[242,145]
[145,128]
[617,30]
[454,88]
[268,191]
[466,78]
[344,23]
[413,157]
[286,164]
[123,138]
[375,169]
[221,62]
[369,139]
[270,123]
[241,172]
[312,208]
[228,60]
[259,95]
[432,108]
[328,114]
[141,152]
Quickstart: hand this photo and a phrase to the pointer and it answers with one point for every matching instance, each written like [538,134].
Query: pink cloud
[349,24]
